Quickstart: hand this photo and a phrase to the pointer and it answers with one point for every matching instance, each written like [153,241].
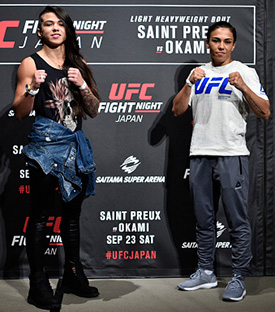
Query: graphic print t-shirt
[54,99]
[220,111]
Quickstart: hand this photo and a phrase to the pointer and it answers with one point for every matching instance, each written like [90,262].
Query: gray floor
[138,295]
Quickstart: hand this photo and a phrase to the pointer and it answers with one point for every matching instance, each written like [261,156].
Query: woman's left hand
[236,80]
[75,76]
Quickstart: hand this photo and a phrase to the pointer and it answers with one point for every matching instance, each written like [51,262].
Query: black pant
[44,196]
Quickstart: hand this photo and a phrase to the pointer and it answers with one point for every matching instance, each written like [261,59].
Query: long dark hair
[73,57]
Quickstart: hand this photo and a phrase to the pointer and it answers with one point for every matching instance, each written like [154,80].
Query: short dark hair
[222,24]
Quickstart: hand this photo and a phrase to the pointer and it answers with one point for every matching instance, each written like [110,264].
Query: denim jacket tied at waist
[63,153]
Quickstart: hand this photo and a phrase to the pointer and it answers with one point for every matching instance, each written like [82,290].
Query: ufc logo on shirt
[207,85]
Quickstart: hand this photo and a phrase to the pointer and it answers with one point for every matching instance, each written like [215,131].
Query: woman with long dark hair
[57,83]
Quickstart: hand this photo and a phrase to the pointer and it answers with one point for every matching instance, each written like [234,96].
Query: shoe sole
[235,299]
[45,307]
[202,286]
[70,291]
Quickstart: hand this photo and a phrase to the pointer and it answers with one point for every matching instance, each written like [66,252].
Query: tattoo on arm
[252,102]
[91,103]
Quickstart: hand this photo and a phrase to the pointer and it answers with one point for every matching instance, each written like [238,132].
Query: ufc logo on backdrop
[207,84]
[126,91]
[4,25]
[52,221]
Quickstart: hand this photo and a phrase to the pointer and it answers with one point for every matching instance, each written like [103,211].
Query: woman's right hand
[197,74]
[39,77]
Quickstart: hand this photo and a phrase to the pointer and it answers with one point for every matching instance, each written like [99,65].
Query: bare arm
[26,74]
[258,105]
[181,100]
[90,102]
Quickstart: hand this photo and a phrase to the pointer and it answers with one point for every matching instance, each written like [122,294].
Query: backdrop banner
[141,221]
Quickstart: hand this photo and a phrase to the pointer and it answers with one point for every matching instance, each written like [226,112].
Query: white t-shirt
[220,111]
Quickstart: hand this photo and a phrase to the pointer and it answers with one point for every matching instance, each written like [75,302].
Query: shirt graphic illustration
[63,103]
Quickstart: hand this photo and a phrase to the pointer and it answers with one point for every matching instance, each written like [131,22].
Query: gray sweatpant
[210,178]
